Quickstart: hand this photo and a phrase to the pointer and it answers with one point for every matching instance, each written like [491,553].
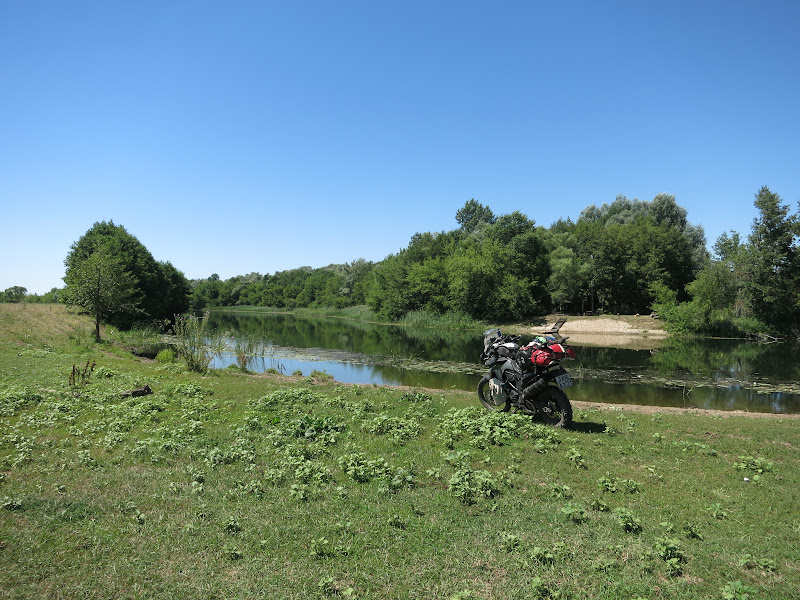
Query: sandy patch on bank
[608,326]
[625,332]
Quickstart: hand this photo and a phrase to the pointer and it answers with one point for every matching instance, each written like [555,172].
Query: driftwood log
[763,337]
[142,391]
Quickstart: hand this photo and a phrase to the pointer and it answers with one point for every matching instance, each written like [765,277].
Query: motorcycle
[529,378]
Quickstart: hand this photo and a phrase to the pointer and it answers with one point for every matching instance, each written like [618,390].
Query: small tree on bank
[101,285]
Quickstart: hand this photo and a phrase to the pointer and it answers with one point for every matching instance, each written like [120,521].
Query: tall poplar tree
[773,273]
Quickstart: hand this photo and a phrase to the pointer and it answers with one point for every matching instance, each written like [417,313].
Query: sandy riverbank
[624,331]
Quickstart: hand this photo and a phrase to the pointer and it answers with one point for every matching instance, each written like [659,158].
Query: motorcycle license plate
[564,381]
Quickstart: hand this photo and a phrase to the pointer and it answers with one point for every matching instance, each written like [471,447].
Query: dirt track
[639,408]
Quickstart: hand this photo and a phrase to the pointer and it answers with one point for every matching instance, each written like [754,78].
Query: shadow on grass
[587,427]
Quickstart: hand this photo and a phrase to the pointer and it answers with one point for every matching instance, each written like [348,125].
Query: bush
[167,355]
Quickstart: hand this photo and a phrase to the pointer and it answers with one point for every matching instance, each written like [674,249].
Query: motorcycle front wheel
[553,407]
[490,400]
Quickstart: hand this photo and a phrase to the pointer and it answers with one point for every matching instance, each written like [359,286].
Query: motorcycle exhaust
[534,388]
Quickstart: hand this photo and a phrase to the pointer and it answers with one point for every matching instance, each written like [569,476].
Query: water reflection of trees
[729,358]
[593,357]
[352,336]
[710,398]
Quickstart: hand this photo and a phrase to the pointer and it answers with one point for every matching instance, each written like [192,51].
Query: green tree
[714,294]
[474,279]
[354,277]
[474,215]
[53,296]
[507,227]
[387,292]
[717,294]
[773,273]
[568,277]
[176,293]
[101,285]
[663,210]
[494,269]
[15,294]
[569,283]
[627,259]
[164,291]
[745,287]
[205,292]
[427,286]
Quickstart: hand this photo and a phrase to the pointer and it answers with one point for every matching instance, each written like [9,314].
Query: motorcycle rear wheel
[553,407]
[490,400]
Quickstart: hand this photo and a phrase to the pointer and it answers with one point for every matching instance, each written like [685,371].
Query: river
[708,374]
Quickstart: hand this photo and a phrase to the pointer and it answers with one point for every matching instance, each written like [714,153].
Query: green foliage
[15,293]
[615,484]
[669,550]
[167,355]
[286,397]
[102,286]
[11,504]
[620,251]
[570,276]
[224,473]
[469,485]
[717,511]
[751,562]
[576,458]
[155,290]
[483,429]
[755,465]
[232,552]
[629,522]
[542,591]
[575,512]
[13,399]
[629,256]
[736,590]
[773,271]
[335,286]
[108,268]
[749,287]
[489,269]
[448,320]
[320,375]
[473,216]
[245,349]
[398,429]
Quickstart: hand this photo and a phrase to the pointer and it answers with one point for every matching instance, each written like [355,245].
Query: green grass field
[239,486]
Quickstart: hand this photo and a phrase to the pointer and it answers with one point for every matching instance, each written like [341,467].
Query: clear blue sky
[241,136]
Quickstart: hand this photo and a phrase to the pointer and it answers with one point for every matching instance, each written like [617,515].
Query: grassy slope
[234,486]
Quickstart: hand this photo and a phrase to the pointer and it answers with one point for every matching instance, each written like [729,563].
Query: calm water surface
[718,374]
